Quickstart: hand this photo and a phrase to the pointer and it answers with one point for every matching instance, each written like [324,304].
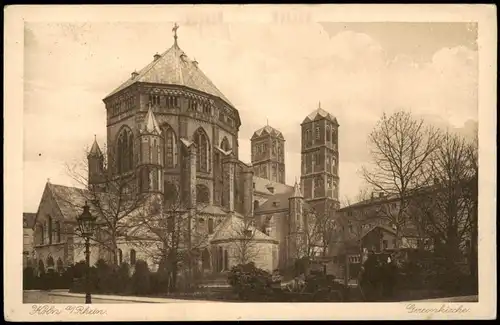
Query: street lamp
[86,223]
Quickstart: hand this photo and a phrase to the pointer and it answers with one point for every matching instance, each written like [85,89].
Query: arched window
[132,257]
[226,260]
[120,256]
[58,231]
[170,146]
[219,259]
[50,262]
[170,192]
[41,267]
[255,205]
[225,144]
[202,194]
[202,144]
[50,230]
[130,151]
[60,265]
[205,257]
[125,150]
[210,226]
[144,180]
[328,134]
[42,234]
[317,133]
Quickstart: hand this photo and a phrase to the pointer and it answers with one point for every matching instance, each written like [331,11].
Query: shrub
[250,282]
[29,278]
[141,278]
[122,279]
[324,288]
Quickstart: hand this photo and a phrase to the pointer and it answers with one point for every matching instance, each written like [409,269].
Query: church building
[172,135]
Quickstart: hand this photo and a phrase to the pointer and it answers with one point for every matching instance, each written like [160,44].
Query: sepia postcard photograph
[250,162]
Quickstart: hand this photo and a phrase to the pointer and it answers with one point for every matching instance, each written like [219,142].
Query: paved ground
[45,297]
[64,297]
[451,299]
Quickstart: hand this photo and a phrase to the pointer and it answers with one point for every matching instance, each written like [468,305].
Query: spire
[296,189]
[151,125]
[95,151]
[174,29]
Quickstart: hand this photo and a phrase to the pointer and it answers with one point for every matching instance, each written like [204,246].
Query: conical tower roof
[95,151]
[150,123]
[174,67]
[296,190]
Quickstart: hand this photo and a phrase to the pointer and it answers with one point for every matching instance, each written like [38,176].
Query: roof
[233,228]
[369,202]
[275,203]
[296,190]
[261,186]
[267,130]
[173,67]
[319,114]
[28,220]
[151,124]
[70,200]
[95,151]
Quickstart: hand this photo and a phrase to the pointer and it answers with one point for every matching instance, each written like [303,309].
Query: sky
[275,72]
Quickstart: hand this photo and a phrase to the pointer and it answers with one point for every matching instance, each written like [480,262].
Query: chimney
[156,57]
[134,74]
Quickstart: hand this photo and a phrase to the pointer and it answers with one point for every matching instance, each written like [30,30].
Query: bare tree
[114,200]
[448,206]
[400,150]
[244,245]
[164,232]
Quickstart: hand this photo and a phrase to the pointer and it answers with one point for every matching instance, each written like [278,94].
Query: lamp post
[86,223]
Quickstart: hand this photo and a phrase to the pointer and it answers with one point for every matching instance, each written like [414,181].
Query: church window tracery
[125,148]
[225,144]
[202,145]
[170,147]
[317,133]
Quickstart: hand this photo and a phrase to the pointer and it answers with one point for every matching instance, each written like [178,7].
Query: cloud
[278,72]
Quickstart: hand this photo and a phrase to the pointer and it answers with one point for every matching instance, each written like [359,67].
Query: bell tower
[319,160]
[268,154]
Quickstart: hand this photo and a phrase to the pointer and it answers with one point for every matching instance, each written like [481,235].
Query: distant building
[28,248]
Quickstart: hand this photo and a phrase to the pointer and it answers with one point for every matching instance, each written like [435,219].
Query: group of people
[377,277]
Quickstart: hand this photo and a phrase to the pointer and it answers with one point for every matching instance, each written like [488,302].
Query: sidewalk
[473,298]
[130,299]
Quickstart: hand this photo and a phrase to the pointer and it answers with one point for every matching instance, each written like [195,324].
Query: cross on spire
[174,29]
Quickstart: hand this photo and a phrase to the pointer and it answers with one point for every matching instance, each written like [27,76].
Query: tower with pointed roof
[319,160]
[149,168]
[268,154]
[96,167]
